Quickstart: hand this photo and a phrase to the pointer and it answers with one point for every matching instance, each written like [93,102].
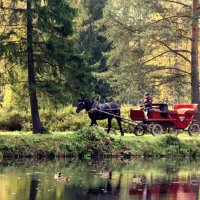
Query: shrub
[64,119]
[94,142]
[170,140]
[12,122]
[1,156]
[3,123]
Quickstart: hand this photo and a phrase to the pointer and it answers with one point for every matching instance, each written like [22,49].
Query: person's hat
[147,94]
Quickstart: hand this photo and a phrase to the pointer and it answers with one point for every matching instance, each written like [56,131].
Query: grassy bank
[91,142]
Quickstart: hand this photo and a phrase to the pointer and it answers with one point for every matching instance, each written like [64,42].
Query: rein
[91,111]
[94,108]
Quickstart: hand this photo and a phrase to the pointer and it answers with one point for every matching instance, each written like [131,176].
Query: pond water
[100,180]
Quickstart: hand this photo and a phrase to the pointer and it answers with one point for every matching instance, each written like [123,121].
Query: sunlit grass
[149,137]
[126,137]
[31,134]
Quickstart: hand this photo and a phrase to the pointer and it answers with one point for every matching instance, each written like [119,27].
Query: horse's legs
[109,124]
[119,123]
[93,122]
[120,126]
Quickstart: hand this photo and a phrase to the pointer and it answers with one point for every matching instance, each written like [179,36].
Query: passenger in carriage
[146,104]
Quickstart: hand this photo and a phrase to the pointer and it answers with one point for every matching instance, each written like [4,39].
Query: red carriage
[161,119]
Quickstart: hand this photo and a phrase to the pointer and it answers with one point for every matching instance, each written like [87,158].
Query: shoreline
[94,142]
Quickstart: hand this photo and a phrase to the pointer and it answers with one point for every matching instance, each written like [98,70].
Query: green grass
[95,142]
[128,136]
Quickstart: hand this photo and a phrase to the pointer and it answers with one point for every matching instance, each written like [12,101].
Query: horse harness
[101,108]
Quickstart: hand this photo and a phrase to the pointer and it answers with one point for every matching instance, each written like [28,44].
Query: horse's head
[80,105]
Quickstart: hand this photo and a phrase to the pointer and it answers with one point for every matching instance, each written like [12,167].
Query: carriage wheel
[156,129]
[139,130]
[194,129]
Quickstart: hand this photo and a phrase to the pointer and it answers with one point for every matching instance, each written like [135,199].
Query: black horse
[97,111]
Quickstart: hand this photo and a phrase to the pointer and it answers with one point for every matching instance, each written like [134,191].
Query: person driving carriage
[146,104]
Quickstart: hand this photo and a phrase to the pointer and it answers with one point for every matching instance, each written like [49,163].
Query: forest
[54,52]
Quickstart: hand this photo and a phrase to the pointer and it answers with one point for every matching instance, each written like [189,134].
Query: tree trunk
[194,54]
[36,123]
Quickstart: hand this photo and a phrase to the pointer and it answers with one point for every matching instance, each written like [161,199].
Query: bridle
[94,105]
[82,103]
[92,109]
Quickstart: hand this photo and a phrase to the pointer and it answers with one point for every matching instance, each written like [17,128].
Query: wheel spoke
[194,129]
[156,129]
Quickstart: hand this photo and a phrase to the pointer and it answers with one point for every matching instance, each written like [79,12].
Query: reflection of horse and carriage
[160,190]
[157,119]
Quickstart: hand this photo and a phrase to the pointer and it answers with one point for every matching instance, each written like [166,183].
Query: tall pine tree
[38,38]
[92,43]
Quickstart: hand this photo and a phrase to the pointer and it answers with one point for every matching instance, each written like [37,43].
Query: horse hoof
[106,130]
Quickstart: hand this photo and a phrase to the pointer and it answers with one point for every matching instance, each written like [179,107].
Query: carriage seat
[155,108]
[183,108]
[160,107]
[159,110]
[163,107]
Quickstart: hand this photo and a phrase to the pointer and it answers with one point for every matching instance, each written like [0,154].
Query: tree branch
[178,2]
[169,80]
[170,17]
[13,9]
[128,28]
[13,25]
[155,57]
[174,68]
[184,37]
[124,25]
[11,42]
[46,62]
[159,55]
[172,50]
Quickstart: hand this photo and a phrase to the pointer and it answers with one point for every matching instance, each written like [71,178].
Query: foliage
[86,142]
[94,142]
[39,56]
[150,50]
[56,119]
[1,156]
[65,119]
[14,121]
[115,48]
[92,43]
[163,146]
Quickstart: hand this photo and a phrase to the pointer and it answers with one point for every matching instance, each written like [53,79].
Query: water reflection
[107,188]
[107,179]
[33,188]
[177,190]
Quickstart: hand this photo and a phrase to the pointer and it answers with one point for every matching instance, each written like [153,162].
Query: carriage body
[180,117]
